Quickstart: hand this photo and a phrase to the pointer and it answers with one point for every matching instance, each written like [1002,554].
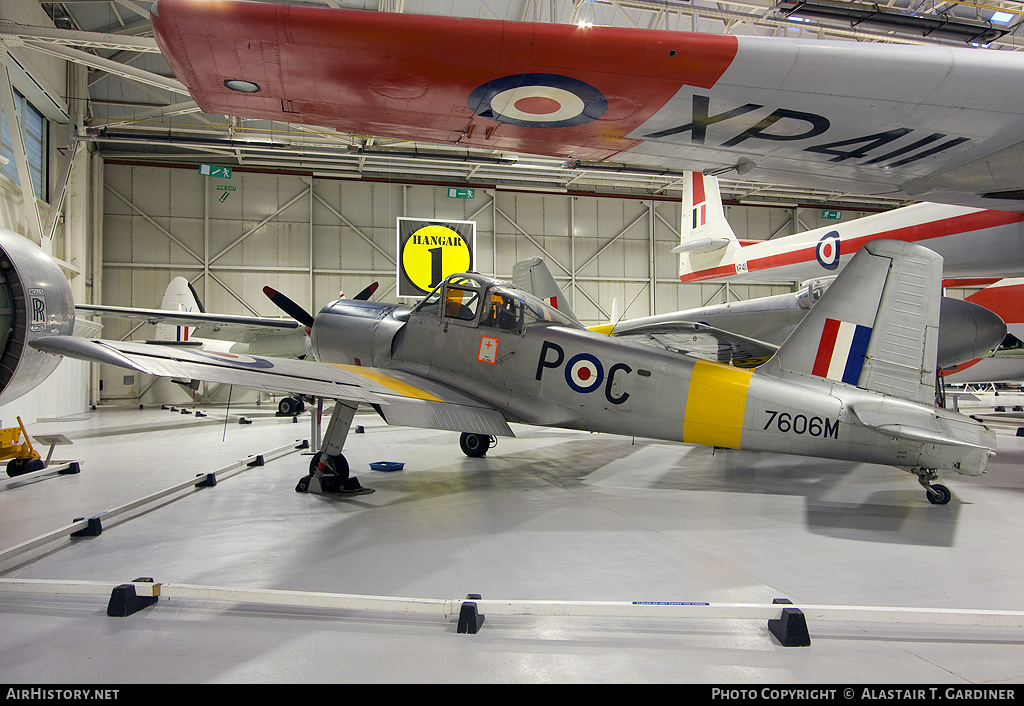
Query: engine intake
[35,301]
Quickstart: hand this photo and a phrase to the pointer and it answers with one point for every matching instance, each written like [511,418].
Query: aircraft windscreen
[505,306]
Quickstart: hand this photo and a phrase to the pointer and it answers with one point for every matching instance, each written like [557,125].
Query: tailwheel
[938,494]
[475,445]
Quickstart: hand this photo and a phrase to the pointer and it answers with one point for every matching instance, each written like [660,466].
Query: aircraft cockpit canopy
[482,301]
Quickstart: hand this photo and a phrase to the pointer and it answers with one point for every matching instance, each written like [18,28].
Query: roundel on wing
[584,373]
[538,100]
[243,360]
[827,250]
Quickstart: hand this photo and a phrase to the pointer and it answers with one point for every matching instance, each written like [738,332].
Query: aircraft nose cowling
[966,331]
[354,332]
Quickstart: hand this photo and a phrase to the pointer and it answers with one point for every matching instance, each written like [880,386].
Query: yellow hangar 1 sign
[430,250]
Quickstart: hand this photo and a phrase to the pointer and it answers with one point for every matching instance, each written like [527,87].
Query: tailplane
[706,238]
[875,327]
[179,296]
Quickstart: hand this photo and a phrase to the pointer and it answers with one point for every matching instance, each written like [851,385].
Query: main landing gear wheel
[938,494]
[333,478]
[290,406]
[475,445]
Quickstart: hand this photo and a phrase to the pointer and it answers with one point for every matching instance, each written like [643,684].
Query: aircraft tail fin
[876,326]
[179,296]
[533,276]
[706,238]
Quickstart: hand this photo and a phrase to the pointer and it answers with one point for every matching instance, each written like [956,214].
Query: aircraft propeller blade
[288,306]
[367,292]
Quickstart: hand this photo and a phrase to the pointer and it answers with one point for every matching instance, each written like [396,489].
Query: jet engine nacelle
[35,301]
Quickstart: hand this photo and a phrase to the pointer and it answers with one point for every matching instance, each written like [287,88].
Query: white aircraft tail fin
[534,277]
[706,238]
[876,326]
[179,296]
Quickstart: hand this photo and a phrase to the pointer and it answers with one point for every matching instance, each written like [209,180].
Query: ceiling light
[242,86]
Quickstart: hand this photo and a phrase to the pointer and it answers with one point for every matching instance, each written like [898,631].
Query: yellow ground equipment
[15,445]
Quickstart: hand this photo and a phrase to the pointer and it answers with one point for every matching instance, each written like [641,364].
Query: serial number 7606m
[802,424]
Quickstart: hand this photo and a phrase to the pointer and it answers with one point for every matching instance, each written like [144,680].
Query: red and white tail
[1006,298]
[706,238]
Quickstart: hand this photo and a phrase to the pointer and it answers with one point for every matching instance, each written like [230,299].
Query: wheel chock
[303,444]
[124,601]
[243,420]
[256,461]
[209,480]
[470,618]
[95,528]
[1020,431]
[73,467]
[791,628]
[200,414]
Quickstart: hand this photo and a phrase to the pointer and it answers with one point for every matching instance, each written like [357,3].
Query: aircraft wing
[402,398]
[217,326]
[698,340]
[810,113]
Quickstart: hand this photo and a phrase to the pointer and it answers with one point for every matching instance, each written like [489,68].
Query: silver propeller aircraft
[855,380]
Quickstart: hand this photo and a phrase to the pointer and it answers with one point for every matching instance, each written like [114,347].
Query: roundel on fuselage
[827,250]
[538,100]
[584,372]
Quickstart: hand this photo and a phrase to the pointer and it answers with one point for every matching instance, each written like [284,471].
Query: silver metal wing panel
[404,398]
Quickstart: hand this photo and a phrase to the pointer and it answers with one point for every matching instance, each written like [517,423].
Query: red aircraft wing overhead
[929,123]
[479,83]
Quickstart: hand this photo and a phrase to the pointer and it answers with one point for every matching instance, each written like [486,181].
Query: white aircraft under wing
[927,123]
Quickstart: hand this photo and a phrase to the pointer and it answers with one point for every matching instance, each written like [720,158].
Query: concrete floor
[548,515]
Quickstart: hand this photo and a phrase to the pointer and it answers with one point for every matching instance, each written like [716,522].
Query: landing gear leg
[938,494]
[328,469]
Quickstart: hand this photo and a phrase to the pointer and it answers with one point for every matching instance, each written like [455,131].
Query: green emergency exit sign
[215,171]
[832,215]
[455,193]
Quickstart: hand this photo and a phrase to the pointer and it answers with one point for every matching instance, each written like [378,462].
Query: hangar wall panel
[312,238]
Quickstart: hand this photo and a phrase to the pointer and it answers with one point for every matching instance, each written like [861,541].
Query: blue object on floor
[387,466]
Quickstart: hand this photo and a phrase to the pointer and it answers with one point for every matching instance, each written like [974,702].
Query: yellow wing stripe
[402,388]
[715,405]
[606,329]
